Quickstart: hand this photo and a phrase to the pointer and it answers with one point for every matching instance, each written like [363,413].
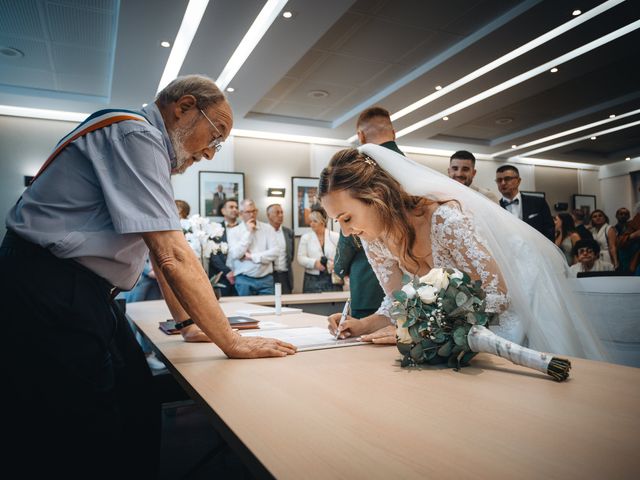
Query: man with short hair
[218,262]
[588,255]
[374,126]
[282,271]
[578,218]
[80,233]
[532,210]
[462,168]
[253,247]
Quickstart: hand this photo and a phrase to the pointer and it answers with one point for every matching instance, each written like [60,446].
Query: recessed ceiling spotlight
[628,158]
[231,89]
[10,52]
[287,14]
[504,121]
[575,13]
[612,116]
[165,44]
[593,138]
[554,70]
[144,105]
[438,87]
[318,94]
[445,118]
[514,146]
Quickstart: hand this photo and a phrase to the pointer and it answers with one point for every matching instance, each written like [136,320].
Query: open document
[306,338]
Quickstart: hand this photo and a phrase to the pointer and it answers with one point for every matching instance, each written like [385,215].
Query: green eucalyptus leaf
[406,279]
[461,298]
[445,349]
[460,336]
[400,296]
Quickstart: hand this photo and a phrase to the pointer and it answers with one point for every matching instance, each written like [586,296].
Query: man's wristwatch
[183,323]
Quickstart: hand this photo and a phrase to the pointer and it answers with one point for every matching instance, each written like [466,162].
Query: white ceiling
[82,55]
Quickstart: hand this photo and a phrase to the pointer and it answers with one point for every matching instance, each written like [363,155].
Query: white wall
[616,192]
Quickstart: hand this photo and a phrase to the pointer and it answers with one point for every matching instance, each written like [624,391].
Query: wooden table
[353,413]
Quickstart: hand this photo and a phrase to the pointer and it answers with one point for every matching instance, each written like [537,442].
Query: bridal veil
[534,269]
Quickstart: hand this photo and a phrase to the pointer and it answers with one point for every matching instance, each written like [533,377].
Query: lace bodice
[454,243]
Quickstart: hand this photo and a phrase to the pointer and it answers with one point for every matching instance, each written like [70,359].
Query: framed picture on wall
[215,188]
[586,203]
[533,194]
[304,198]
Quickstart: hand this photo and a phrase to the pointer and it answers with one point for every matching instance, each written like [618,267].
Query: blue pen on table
[343,317]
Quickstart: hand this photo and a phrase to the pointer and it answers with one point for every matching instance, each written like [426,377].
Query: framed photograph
[533,194]
[304,197]
[586,203]
[215,188]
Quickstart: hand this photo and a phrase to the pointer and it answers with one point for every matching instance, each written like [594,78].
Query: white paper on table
[260,310]
[306,338]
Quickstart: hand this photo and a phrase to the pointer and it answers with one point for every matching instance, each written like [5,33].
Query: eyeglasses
[505,179]
[585,251]
[216,144]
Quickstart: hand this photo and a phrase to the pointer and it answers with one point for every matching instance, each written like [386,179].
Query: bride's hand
[384,336]
[351,327]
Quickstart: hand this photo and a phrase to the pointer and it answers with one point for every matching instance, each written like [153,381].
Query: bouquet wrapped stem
[442,317]
[483,340]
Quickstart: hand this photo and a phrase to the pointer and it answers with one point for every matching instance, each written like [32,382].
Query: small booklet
[237,322]
[258,310]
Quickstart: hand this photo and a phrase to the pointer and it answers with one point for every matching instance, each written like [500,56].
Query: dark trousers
[79,398]
[283,279]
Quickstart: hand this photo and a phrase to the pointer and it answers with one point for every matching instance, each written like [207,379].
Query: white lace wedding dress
[476,235]
[454,243]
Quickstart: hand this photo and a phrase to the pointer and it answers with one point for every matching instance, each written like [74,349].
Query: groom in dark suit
[531,209]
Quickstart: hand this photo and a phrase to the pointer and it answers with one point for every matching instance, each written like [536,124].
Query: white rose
[436,277]
[224,248]
[428,294]
[456,274]
[402,332]
[409,290]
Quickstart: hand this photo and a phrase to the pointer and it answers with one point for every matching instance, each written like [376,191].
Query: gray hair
[201,87]
[246,202]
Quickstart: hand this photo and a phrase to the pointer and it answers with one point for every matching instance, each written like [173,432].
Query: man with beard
[81,392]
[462,168]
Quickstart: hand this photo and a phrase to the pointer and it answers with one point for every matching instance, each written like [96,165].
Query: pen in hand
[343,317]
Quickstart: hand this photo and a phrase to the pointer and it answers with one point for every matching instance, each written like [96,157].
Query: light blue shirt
[99,195]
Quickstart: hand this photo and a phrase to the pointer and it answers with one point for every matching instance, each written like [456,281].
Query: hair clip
[368,160]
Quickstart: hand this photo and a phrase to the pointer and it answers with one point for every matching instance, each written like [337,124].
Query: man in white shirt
[528,208]
[253,247]
[462,168]
[283,273]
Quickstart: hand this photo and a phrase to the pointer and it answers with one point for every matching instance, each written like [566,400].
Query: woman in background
[566,235]
[605,236]
[316,252]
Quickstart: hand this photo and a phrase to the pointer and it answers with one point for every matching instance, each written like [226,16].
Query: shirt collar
[152,113]
[518,196]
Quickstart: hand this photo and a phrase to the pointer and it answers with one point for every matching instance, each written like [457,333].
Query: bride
[412,218]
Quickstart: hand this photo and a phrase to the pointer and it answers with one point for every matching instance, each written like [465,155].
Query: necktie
[505,203]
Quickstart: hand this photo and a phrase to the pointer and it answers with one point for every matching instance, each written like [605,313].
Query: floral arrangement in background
[442,317]
[204,238]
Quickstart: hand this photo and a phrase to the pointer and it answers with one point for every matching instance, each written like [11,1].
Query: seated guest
[566,235]
[253,247]
[606,237]
[218,262]
[588,255]
[316,252]
[351,261]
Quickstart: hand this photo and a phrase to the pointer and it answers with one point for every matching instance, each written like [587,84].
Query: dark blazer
[536,212]
[288,240]
[218,263]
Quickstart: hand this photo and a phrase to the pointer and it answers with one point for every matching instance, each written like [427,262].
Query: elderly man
[78,381]
[253,247]
[462,168]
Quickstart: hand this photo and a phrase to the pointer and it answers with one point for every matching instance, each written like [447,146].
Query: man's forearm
[189,292]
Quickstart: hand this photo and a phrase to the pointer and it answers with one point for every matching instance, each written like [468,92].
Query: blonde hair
[358,174]
[318,217]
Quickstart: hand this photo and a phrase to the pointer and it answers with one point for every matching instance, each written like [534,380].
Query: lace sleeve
[388,272]
[456,243]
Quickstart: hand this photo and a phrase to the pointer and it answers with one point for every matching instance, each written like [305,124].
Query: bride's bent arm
[456,243]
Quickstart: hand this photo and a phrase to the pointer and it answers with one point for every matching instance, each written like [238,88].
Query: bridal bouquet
[441,317]
[203,237]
